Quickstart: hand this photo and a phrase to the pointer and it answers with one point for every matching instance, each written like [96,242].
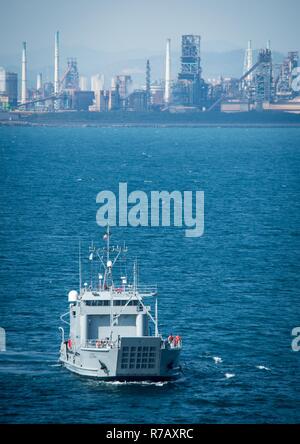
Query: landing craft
[113,334]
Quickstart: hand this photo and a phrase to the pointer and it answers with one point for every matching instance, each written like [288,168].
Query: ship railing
[166,344]
[100,344]
[107,344]
[143,290]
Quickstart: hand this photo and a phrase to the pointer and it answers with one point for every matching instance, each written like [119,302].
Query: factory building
[235,106]
[138,101]
[125,87]
[157,91]
[101,101]
[113,100]
[101,96]
[71,77]
[190,89]
[83,83]
[97,82]
[107,100]
[263,86]
[124,83]
[8,89]
[287,75]
[81,100]
[73,88]
[263,79]
[48,89]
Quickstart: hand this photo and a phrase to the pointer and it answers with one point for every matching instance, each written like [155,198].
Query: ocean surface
[233,294]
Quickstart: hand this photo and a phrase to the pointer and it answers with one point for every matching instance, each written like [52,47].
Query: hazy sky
[118,25]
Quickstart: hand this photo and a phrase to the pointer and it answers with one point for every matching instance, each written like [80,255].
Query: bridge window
[105,303]
[122,302]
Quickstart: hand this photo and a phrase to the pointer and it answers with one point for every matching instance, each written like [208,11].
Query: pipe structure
[248,61]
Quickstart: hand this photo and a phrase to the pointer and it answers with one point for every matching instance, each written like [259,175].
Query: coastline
[152,120]
[148,125]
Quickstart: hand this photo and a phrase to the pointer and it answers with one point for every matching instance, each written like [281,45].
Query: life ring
[69,344]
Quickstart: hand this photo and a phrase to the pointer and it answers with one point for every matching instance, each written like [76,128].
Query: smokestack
[113,83]
[168,73]
[56,63]
[39,81]
[24,75]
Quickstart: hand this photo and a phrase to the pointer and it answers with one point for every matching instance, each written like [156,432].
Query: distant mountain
[214,64]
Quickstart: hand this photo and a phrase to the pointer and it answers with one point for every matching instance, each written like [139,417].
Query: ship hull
[128,378]
[136,359]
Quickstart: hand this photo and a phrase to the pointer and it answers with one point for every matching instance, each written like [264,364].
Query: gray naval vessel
[113,332]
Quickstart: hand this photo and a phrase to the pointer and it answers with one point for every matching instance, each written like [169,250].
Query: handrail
[103,344]
[62,333]
[148,290]
[62,316]
[171,345]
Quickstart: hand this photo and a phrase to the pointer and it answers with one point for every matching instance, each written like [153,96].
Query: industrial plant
[264,86]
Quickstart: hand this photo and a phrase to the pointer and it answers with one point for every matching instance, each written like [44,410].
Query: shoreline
[84,119]
[146,125]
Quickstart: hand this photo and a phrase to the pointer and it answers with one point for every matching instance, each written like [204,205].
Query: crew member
[171,338]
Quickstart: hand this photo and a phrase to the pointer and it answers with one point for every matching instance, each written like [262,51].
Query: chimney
[24,75]
[168,73]
[39,81]
[56,64]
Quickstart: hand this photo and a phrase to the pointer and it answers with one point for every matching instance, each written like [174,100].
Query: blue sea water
[233,294]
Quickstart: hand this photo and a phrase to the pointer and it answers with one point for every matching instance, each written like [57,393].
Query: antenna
[79,263]
[91,257]
[135,276]
[107,233]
